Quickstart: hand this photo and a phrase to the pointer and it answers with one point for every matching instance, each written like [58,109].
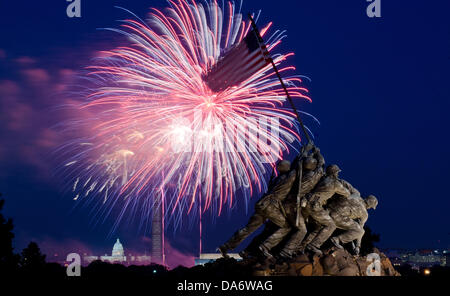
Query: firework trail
[156,129]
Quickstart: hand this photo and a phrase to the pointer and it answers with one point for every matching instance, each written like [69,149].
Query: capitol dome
[117,249]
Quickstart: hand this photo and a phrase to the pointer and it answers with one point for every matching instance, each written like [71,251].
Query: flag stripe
[240,56]
[238,64]
[230,68]
[252,67]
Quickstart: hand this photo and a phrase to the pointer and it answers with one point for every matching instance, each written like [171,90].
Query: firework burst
[157,133]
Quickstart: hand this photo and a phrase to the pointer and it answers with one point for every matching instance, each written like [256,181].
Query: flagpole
[300,168]
[261,41]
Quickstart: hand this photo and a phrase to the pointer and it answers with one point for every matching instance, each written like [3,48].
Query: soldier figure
[325,189]
[268,207]
[350,214]
[353,192]
[313,171]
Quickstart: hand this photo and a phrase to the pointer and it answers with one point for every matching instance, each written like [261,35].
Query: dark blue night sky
[380,88]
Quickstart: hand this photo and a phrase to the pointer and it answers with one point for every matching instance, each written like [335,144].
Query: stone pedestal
[334,262]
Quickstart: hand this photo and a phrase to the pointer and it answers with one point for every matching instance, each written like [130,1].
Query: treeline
[29,262]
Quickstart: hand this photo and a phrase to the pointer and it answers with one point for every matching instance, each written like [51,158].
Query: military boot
[265,252]
[223,249]
[336,242]
[314,249]
[244,254]
[286,255]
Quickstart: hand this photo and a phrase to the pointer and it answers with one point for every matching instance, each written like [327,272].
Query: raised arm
[319,157]
[302,155]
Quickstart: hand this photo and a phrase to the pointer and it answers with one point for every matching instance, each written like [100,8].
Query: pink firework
[157,130]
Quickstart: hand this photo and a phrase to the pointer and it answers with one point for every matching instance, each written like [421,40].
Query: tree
[8,260]
[32,258]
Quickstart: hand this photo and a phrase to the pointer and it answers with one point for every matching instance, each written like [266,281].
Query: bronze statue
[310,168]
[313,171]
[268,207]
[325,189]
[304,196]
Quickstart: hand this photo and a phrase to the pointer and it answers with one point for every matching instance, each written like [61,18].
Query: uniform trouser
[309,238]
[322,217]
[276,237]
[269,229]
[293,245]
[272,213]
[275,214]
[353,229]
[253,224]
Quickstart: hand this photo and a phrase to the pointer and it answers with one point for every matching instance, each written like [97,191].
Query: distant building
[446,256]
[418,258]
[211,257]
[425,258]
[398,256]
[118,256]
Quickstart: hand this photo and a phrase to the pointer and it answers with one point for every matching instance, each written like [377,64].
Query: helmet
[332,169]
[310,163]
[371,202]
[284,166]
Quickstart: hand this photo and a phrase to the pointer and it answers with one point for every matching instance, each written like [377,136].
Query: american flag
[238,64]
